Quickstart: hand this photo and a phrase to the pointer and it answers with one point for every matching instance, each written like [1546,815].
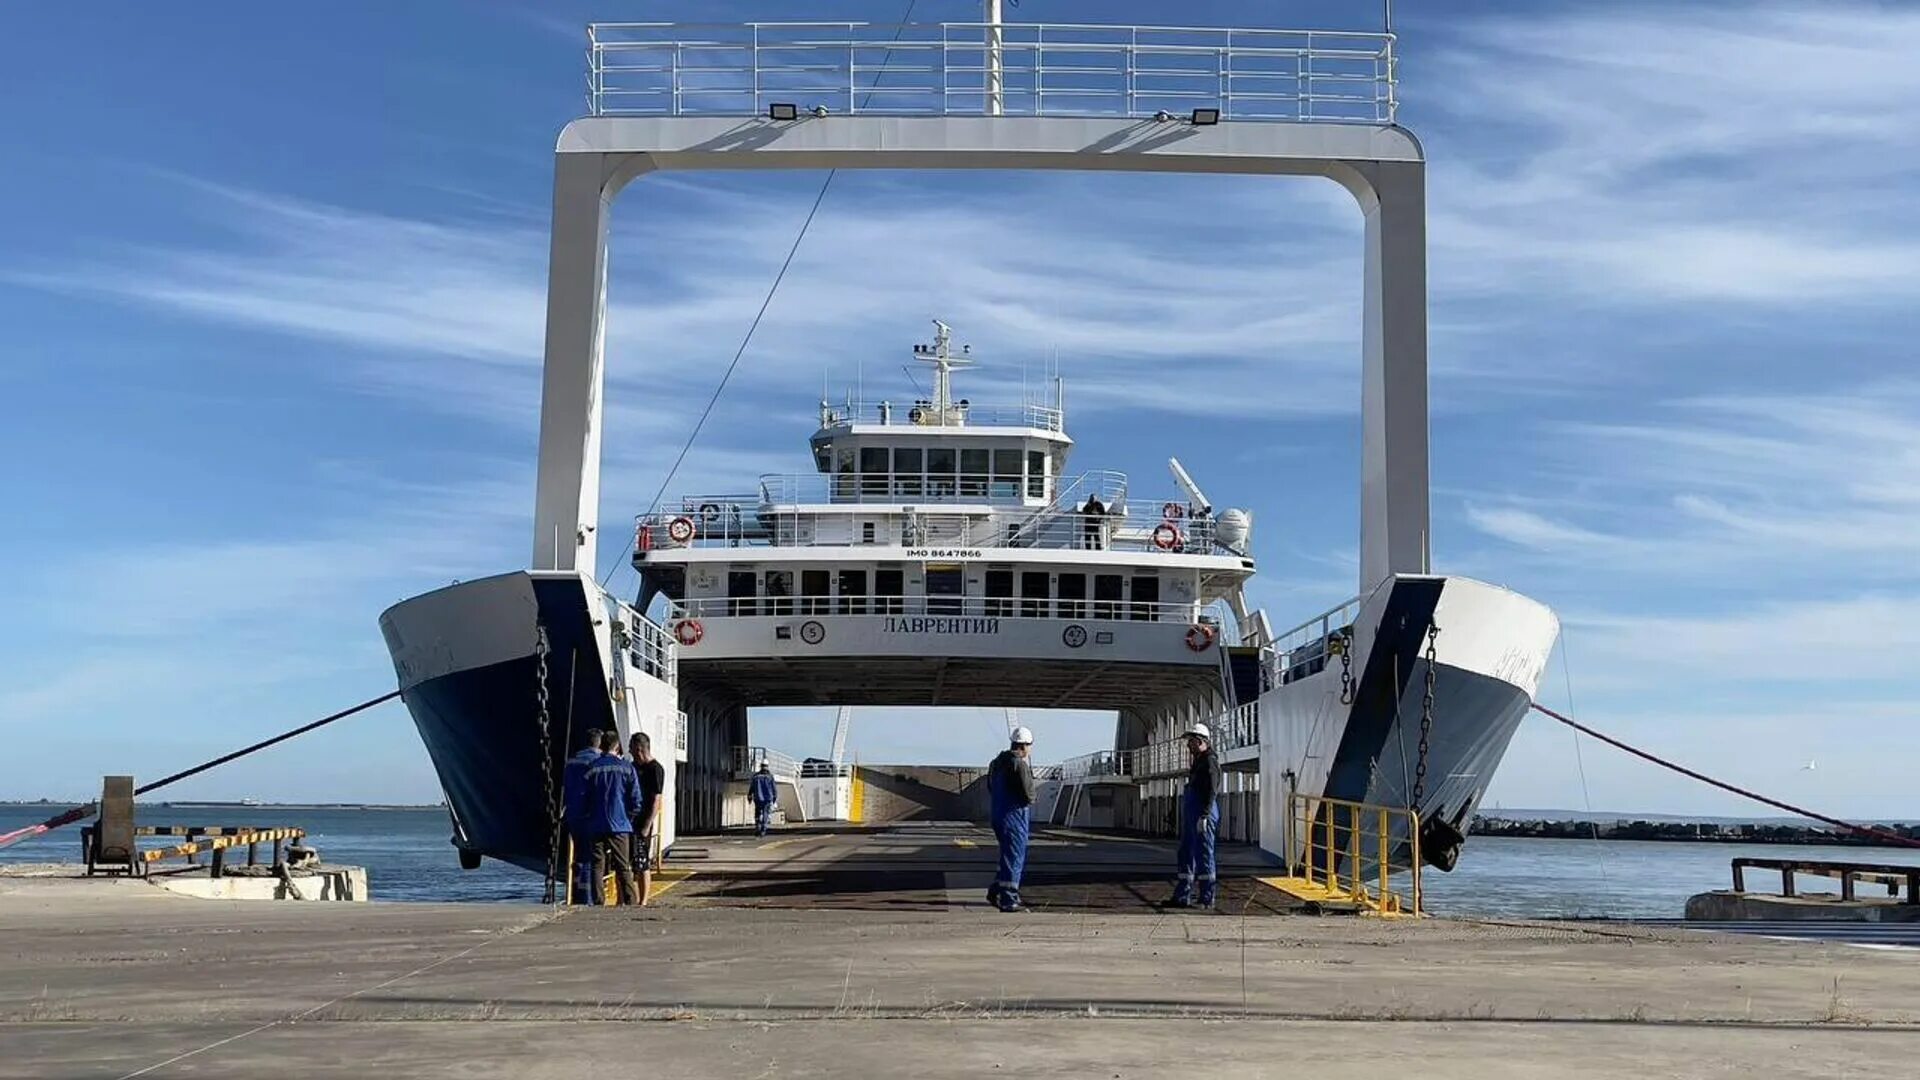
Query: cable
[764,303]
[70,816]
[1884,835]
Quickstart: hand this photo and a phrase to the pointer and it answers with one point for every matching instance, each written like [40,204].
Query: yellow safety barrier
[222,842]
[1336,841]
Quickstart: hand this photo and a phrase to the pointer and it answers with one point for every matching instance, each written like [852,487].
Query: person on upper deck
[1010,793]
[1199,822]
[1093,524]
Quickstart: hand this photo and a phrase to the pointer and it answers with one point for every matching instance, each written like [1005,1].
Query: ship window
[873,470]
[814,587]
[1036,474]
[973,472]
[1107,589]
[853,592]
[1006,474]
[941,464]
[946,589]
[740,593]
[906,469]
[1073,590]
[1033,594]
[867,532]
[1146,598]
[888,585]
[843,483]
[999,586]
[779,592]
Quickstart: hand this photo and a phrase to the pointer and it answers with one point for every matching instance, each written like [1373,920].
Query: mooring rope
[1883,835]
[70,816]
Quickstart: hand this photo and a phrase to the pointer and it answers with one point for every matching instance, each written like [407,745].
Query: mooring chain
[1344,642]
[1426,719]
[540,650]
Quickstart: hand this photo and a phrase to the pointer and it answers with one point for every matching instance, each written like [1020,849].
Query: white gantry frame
[1381,165]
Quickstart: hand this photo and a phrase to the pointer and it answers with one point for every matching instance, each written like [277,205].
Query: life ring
[643,538]
[688,631]
[1173,511]
[1166,536]
[709,513]
[1200,637]
[680,530]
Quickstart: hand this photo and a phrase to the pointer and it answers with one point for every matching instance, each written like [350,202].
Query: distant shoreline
[1690,832]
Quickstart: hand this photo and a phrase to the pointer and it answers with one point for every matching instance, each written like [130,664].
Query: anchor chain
[1344,641]
[543,717]
[1426,720]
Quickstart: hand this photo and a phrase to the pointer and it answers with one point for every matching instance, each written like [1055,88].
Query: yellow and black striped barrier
[218,841]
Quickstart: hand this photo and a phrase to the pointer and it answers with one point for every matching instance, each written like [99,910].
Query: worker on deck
[612,802]
[1010,792]
[653,781]
[573,790]
[764,795]
[1199,821]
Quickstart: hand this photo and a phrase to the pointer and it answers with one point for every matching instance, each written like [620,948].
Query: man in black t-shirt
[653,778]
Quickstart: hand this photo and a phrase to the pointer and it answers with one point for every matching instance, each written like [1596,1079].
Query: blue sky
[272,289]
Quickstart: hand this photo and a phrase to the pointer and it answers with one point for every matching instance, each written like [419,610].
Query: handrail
[747,760]
[1029,69]
[1330,833]
[921,414]
[1234,729]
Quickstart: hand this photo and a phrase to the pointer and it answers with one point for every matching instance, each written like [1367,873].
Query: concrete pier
[113,979]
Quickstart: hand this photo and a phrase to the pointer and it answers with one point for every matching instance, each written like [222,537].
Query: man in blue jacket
[1199,821]
[1010,792]
[764,795]
[573,788]
[612,802]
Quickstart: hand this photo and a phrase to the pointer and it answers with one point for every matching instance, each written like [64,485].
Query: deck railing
[977,607]
[923,414]
[1235,729]
[971,69]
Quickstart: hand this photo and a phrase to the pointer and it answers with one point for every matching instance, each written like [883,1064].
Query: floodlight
[782,110]
[819,110]
[1205,117]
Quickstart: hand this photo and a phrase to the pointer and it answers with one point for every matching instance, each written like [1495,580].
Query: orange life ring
[680,530]
[688,631]
[1173,511]
[1199,637]
[1166,536]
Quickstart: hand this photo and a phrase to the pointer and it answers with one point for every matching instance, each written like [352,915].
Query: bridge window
[1006,474]
[779,592]
[1033,594]
[888,587]
[946,590]
[740,593]
[1146,598]
[973,473]
[815,586]
[907,462]
[942,463]
[843,481]
[1036,474]
[999,586]
[1073,591]
[853,592]
[873,470]
[1107,589]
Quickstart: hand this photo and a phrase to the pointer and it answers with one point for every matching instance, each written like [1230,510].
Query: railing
[970,69]
[923,414]
[680,730]
[649,647]
[981,607]
[1306,649]
[1234,729]
[1349,852]
[821,769]
[1087,766]
[1066,524]
[748,759]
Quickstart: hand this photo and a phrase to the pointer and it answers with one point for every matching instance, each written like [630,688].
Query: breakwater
[1687,831]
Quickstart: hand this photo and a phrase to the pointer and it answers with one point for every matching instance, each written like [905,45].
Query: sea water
[409,858]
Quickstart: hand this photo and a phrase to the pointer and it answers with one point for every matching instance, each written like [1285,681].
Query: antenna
[940,355]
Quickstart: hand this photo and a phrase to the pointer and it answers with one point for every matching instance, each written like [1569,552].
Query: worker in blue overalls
[1010,792]
[1199,821]
[573,787]
[764,795]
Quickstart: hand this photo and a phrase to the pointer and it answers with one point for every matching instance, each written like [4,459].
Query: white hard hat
[1197,728]
[1022,736]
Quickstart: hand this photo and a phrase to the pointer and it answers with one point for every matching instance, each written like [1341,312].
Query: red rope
[1884,835]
